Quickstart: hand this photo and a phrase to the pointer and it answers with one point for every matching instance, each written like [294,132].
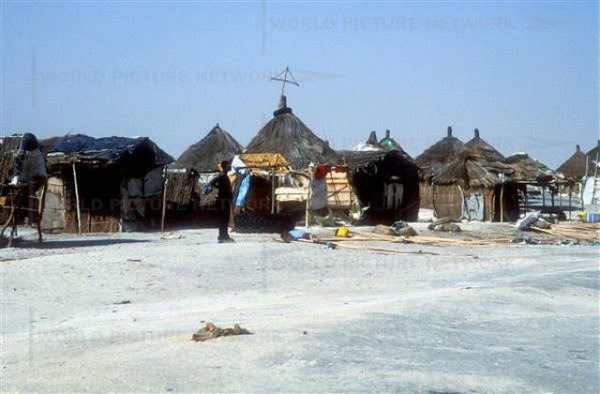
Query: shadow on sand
[69,243]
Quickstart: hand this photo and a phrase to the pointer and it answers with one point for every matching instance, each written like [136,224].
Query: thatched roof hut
[480,147]
[205,155]
[474,188]
[470,171]
[440,154]
[288,135]
[574,167]
[528,169]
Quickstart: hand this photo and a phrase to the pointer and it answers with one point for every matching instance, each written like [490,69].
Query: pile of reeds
[583,232]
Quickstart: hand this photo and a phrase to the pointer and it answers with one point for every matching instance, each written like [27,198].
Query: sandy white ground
[517,318]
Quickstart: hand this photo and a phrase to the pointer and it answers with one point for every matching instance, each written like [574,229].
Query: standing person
[222,183]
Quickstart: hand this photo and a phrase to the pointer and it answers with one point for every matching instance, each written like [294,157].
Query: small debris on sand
[122,302]
[210,331]
[171,235]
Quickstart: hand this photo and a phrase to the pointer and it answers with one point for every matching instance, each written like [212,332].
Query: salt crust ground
[517,318]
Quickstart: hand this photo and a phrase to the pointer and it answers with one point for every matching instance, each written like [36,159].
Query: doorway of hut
[506,202]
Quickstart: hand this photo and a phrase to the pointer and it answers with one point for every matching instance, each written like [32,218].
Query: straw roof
[440,154]
[388,142]
[371,144]
[472,171]
[205,155]
[479,146]
[574,167]
[261,162]
[528,169]
[594,157]
[287,135]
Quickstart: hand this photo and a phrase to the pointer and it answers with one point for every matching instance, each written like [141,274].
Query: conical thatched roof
[287,135]
[593,158]
[205,155]
[479,146]
[528,169]
[440,154]
[370,145]
[389,143]
[574,167]
[472,171]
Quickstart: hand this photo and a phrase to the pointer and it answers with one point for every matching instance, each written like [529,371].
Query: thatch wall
[182,188]
[8,148]
[448,201]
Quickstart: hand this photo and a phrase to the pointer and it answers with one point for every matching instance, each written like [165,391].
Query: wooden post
[502,203]
[77,200]
[273,192]
[543,196]
[164,205]
[570,193]
[41,205]
[308,196]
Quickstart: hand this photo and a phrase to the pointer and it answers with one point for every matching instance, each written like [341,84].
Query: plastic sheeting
[319,194]
[474,207]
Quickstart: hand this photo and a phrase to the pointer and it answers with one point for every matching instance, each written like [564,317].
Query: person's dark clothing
[28,143]
[222,183]
[224,209]
[224,197]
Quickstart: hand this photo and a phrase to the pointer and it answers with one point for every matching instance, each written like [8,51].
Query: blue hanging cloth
[240,201]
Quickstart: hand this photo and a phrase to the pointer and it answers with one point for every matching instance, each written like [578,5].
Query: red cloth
[321,171]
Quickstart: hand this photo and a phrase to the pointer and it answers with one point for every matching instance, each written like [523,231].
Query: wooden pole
[570,193]
[77,200]
[502,203]
[41,205]
[273,192]
[308,196]
[543,196]
[164,206]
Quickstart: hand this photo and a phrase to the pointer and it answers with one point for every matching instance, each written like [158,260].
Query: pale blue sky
[524,73]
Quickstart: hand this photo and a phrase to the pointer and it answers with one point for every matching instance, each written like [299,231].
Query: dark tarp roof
[134,155]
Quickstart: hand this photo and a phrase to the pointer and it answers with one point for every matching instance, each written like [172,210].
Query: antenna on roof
[283,77]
